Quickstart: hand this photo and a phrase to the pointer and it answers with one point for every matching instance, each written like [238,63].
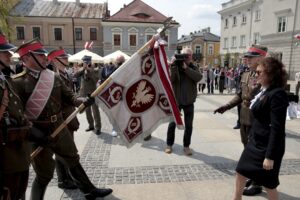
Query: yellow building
[205,45]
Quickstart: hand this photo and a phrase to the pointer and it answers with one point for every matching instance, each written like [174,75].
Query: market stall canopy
[76,58]
[112,56]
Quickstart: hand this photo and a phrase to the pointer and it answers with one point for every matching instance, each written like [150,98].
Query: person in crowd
[202,82]
[184,78]
[221,80]
[19,67]
[89,78]
[230,78]
[47,117]
[297,79]
[249,88]
[210,80]
[59,59]
[217,75]
[240,70]
[261,159]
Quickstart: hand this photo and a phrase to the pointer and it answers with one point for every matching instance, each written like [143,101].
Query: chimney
[208,29]
[77,2]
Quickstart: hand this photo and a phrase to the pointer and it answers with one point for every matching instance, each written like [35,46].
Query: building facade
[205,45]
[265,22]
[133,25]
[57,23]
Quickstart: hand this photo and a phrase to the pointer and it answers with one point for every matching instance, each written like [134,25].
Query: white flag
[139,97]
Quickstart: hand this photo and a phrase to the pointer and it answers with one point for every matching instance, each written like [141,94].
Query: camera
[180,58]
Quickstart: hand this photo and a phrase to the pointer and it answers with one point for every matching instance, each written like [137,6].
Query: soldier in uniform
[59,60]
[249,88]
[89,78]
[14,145]
[43,93]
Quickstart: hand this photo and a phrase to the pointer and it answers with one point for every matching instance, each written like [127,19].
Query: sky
[193,15]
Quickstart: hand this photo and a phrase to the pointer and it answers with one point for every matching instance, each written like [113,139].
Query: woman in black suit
[261,159]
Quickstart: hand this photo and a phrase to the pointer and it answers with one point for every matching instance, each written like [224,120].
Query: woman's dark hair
[275,71]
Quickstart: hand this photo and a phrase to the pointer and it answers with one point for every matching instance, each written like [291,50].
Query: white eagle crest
[141,96]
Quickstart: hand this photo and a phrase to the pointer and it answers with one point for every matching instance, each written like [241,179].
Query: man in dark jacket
[184,78]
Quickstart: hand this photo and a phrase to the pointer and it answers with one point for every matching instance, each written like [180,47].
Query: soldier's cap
[256,51]
[5,45]
[86,59]
[32,46]
[57,53]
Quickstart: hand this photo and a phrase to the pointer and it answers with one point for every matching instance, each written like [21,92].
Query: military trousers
[15,185]
[94,118]
[64,148]
[245,130]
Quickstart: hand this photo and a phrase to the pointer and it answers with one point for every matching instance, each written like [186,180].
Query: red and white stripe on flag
[88,45]
[297,36]
[140,98]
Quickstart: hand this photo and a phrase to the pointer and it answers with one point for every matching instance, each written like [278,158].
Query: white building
[272,23]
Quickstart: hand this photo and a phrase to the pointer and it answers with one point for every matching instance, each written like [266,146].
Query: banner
[139,96]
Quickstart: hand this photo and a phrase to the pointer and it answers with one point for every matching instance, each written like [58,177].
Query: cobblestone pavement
[96,154]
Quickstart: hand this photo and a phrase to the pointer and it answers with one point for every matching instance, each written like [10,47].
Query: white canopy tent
[76,58]
[112,56]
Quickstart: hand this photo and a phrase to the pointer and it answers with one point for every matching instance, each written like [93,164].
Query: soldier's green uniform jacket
[67,108]
[249,88]
[51,116]
[14,137]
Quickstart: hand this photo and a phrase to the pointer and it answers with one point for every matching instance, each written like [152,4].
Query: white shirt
[257,96]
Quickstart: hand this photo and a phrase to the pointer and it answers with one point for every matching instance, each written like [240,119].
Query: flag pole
[97,91]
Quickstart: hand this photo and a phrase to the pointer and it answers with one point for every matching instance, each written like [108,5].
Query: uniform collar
[34,73]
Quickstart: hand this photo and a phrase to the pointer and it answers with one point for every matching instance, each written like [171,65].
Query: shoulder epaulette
[19,74]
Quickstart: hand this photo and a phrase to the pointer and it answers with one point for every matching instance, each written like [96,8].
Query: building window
[244,19]
[243,41]
[117,39]
[225,43]
[282,24]
[257,15]
[36,32]
[132,40]
[256,38]
[210,49]
[234,21]
[20,33]
[226,23]
[57,33]
[78,33]
[233,41]
[148,37]
[198,50]
[93,33]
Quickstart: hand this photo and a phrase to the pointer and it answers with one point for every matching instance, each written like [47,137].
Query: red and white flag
[140,97]
[88,45]
[297,36]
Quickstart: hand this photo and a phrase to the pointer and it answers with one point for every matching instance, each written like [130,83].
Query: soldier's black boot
[85,185]
[64,179]
[38,190]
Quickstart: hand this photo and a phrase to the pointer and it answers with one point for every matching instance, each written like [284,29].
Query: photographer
[184,78]
[89,78]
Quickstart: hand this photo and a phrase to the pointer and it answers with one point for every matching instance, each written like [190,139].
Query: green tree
[5,7]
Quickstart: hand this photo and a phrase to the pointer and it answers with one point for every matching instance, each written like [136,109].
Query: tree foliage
[5,7]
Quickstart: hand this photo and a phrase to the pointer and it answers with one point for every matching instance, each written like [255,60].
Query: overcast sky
[192,15]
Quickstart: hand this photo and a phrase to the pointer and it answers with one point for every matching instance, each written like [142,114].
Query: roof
[138,11]
[207,36]
[44,8]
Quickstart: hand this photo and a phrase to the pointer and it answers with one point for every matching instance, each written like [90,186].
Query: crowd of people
[36,101]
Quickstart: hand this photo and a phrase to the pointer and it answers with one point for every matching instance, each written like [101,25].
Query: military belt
[48,121]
